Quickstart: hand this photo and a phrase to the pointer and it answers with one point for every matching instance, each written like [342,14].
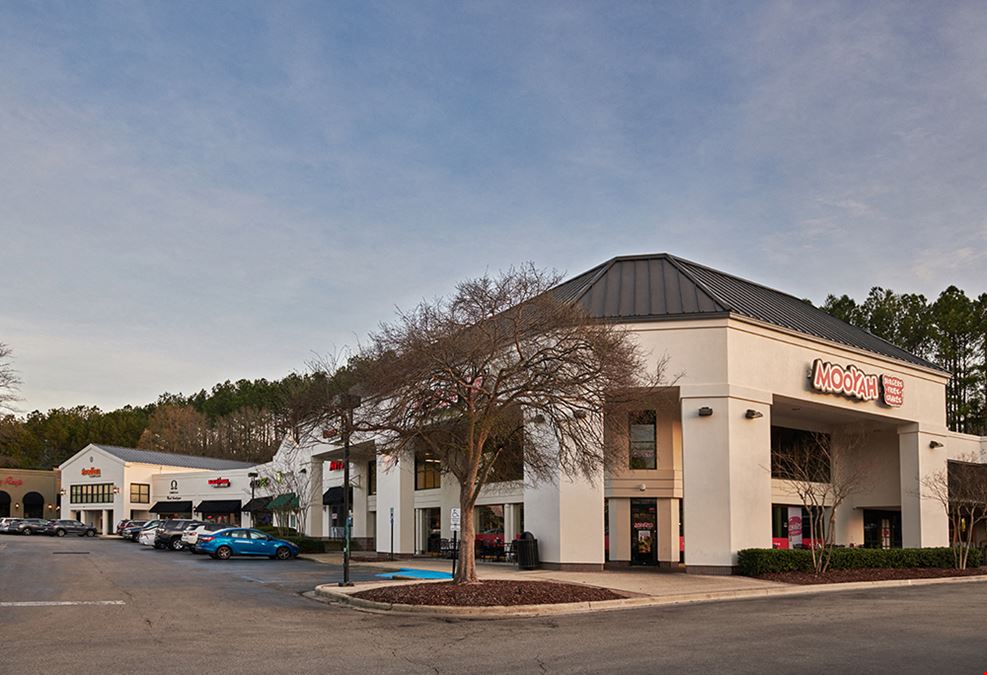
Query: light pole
[346,403]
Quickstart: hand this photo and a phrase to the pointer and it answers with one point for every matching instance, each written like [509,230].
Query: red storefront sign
[335,465]
[10,480]
[92,472]
[219,482]
[852,382]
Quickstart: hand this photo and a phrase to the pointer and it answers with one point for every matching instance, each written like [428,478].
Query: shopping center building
[28,493]
[758,371]
[103,484]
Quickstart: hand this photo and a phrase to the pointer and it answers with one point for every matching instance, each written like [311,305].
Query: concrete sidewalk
[633,582]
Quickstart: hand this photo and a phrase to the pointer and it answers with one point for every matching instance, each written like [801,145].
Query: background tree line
[951,332]
[244,420]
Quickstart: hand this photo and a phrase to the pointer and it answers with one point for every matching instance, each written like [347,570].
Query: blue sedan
[225,544]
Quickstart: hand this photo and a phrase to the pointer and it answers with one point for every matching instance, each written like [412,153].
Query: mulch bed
[487,594]
[881,574]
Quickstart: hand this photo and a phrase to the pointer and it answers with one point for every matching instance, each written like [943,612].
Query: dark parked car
[133,530]
[59,528]
[130,530]
[30,526]
[169,533]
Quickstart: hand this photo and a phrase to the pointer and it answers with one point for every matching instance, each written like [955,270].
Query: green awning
[285,502]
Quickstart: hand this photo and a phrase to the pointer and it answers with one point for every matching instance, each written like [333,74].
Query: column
[619,529]
[668,532]
[565,514]
[396,493]
[313,526]
[726,459]
[358,478]
[923,520]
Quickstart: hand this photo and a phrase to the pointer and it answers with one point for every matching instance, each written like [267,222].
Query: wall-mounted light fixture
[116,490]
[17,505]
[62,492]
[935,444]
[705,411]
[752,414]
[642,487]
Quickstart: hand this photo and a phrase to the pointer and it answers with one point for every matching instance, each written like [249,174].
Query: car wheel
[27,531]
[90,533]
[176,544]
[283,553]
[224,552]
[59,532]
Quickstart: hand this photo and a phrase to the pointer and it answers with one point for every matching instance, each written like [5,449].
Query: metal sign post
[454,520]
[392,533]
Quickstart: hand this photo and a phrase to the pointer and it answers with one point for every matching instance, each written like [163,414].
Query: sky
[194,192]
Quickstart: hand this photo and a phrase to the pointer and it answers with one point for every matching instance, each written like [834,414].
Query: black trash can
[527,552]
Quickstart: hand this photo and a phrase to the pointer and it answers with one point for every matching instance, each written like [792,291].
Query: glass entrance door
[644,531]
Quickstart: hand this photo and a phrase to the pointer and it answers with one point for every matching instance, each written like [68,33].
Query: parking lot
[91,604]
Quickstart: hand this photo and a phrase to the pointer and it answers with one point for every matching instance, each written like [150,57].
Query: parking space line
[60,603]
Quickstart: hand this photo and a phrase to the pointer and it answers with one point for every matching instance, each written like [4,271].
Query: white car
[146,536]
[191,535]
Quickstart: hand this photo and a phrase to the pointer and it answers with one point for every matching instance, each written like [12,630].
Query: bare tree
[824,470]
[506,370]
[9,380]
[961,489]
[288,476]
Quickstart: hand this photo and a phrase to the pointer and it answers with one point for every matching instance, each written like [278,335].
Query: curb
[332,594]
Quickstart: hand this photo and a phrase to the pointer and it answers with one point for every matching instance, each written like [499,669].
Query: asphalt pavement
[85,605]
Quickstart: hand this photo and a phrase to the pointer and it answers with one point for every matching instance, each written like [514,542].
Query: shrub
[754,562]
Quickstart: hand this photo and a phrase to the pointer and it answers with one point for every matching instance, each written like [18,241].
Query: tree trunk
[466,571]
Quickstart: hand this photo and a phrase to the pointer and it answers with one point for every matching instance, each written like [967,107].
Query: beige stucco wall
[19,482]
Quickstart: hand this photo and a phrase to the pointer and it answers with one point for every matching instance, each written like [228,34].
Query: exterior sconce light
[705,411]
[752,414]
[579,414]
[17,505]
[116,490]
[62,492]
[303,470]
[538,419]
[642,487]
[935,444]
[252,474]
[51,506]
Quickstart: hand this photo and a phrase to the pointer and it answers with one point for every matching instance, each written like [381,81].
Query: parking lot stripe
[60,603]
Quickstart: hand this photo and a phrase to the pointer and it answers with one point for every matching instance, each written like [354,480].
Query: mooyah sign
[852,382]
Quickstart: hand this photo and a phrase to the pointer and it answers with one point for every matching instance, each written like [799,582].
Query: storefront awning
[257,504]
[171,507]
[285,502]
[218,506]
[334,496]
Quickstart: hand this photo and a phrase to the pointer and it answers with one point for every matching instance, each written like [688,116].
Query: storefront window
[794,451]
[99,493]
[643,451]
[428,472]
[372,477]
[140,493]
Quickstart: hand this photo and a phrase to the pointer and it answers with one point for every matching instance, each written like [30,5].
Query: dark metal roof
[171,459]
[334,496]
[662,286]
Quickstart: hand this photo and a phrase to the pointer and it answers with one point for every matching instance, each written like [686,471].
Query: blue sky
[191,192]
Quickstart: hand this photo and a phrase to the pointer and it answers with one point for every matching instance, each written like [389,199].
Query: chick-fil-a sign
[852,382]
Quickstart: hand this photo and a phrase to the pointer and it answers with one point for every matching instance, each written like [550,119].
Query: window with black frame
[140,493]
[428,472]
[372,477]
[100,493]
[795,451]
[643,444]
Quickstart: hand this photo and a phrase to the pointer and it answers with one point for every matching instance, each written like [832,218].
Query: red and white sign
[892,390]
[10,480]
[794,526]
[92,472]
[219,482]
[852,382]
[335,465]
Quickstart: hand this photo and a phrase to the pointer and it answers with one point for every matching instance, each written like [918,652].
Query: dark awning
[334,496]
[171,507]
[218,506]
[285,502]
[257,504]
